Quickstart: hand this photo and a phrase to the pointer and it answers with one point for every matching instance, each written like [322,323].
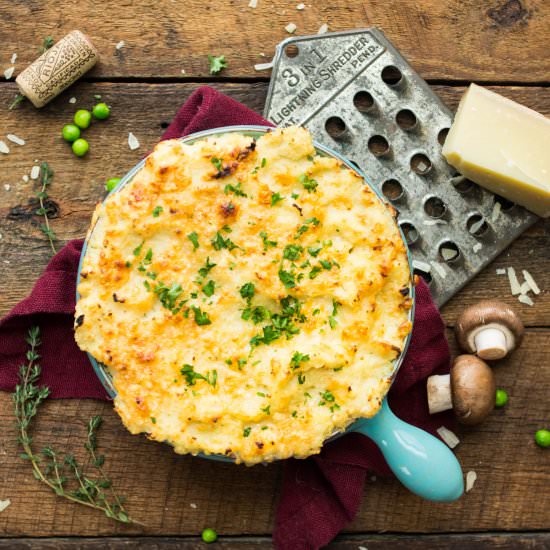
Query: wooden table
[502,44]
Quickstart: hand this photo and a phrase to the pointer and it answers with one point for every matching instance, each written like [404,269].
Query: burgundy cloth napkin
[320,495]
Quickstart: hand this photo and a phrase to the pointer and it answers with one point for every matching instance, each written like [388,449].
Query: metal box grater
[358,95]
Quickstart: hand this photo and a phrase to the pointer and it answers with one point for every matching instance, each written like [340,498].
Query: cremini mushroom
[490,329]
[469,390]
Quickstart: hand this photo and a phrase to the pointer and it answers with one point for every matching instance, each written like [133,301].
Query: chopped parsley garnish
[246,431]
[128,264]
[309,183]
[247,291]
[217,63]
[201,317]
[218,242]
[241,363]
[260,393]
[217,163]
[314,272]
[209,288]
[294,414]
[294,195]
[203,271]
[148,257]
[269,334]
[137,250]
[153,420]
[266,409]
[316,311]
[292,251]
[314,251]
[266,241]
[263,163]
[301,378]
[332,318]
[194,238]
[327,396]
[191,377]
[257,314]
[235,189]
[305,226]
[327,264]
[275,198]
[298,358]
[157,211]
[227,229]
[287,278]
[169,295]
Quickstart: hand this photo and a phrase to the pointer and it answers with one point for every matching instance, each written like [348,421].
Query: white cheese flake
[435,222]
[524,299]
[531,282]
[133,142]
[475,227]
[15,139]
[423,266]
[35,172]
[515,287]
[253,4]
[7,186]
[193,505]
[263,66]
[477,247]
[72,100]
[496,211]
[471,477]
[323,29]
[183,71]
[441,271]
[120,45]
[8,73]
[4,504]
[25,178]
[448,437]
[290,28]
[501,271]
[4,148]
[13,58]
[525,288]
[300,7]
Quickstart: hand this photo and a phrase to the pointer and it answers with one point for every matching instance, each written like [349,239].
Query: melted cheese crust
[327,317]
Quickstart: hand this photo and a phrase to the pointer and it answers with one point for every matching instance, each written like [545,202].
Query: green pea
[501,398]
[80,147]
[112,183]
[209,535]
[542,438]
[70,132]
[82,118]
[101,111]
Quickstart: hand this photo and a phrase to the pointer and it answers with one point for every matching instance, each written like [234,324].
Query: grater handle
[422,463]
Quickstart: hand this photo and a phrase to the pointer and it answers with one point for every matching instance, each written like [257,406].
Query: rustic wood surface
[499,42]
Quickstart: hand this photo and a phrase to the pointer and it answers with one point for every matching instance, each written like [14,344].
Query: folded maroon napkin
[320,495]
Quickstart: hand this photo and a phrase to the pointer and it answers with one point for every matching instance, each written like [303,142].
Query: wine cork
[57,68]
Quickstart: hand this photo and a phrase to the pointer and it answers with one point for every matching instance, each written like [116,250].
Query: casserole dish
[422,462]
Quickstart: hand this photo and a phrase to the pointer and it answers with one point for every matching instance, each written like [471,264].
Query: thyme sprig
[49,466]
[46,175]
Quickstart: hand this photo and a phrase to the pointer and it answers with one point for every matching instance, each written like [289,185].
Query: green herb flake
[287,278]
[201,317]
[246,431]
[309,183]
[301,378]
[235,189]
[157,211]
[153,420]
[263,163]
[203,271]
[247,291]
[148,257]
[191,376]
[194,238]
[260,393]
[314,251]
[275,198]
[297,359]
[137,250]
[266,241]
[314,272]
[217,163]
[217,63]
[241,363]
[292,251]
[208,288]
[327,264]
[266,409]
[218,242]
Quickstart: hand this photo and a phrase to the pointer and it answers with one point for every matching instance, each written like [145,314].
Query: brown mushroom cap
[485,314]
[473,389]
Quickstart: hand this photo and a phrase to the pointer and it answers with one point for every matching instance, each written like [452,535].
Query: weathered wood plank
[500,541]
[491,40]
[144,109]
[511,492]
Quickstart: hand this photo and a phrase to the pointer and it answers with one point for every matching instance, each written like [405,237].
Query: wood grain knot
[508,13]
[27,211]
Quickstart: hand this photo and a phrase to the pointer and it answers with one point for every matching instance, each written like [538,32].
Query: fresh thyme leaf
[47,43]
[216,63]
[157,211]
[217,163]
[309,183]
[266,241]
[194,238]
[19,98]
[209,288]
[275,198]
[50,467]
[46,175]
[235,189]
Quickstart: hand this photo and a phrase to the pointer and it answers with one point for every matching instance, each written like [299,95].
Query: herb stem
[46,176]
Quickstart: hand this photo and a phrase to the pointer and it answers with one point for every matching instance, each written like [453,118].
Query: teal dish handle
[423,464]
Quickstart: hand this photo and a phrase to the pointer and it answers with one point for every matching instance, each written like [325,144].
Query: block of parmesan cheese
[503,146]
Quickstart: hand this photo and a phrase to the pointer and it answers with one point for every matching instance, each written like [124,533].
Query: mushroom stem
[490,343]
[439,393]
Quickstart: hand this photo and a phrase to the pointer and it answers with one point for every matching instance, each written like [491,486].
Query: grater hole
[424,274]
[292,51]
[335,127]
[435,207]
[363,101]
[421,164]
[476,225]
[406,119]
[442,136]
[505,204]
[462,184]
[392,190]
[409,232]
[449,251]
[391,75]
[378,146]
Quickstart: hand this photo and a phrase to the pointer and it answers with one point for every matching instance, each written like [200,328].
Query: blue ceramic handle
[424,464]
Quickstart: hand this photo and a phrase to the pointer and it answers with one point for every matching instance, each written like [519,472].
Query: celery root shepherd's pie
[248,296]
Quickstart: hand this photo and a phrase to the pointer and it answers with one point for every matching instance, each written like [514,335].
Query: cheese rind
[503,146]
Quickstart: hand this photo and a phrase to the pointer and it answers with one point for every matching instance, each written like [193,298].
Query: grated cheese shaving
[263,66]
[515,287]
[291,28]
[300,6]
[496,211]
[133,142]
[253,4]
[4,504]
[531,282]
[524,299]
[35,172]
[477,247]
[423,266]
[440,270]
[501,271]
[183,71]
[25,178]
[471,477]
[323,29]
[72,100]
[8,73]
[525,288]
[193,505]
[4,148]
[7,186]
[448,437]
[477,226]
[435,222]
[449,253]
[13,58]
[15,139]
[120,45]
